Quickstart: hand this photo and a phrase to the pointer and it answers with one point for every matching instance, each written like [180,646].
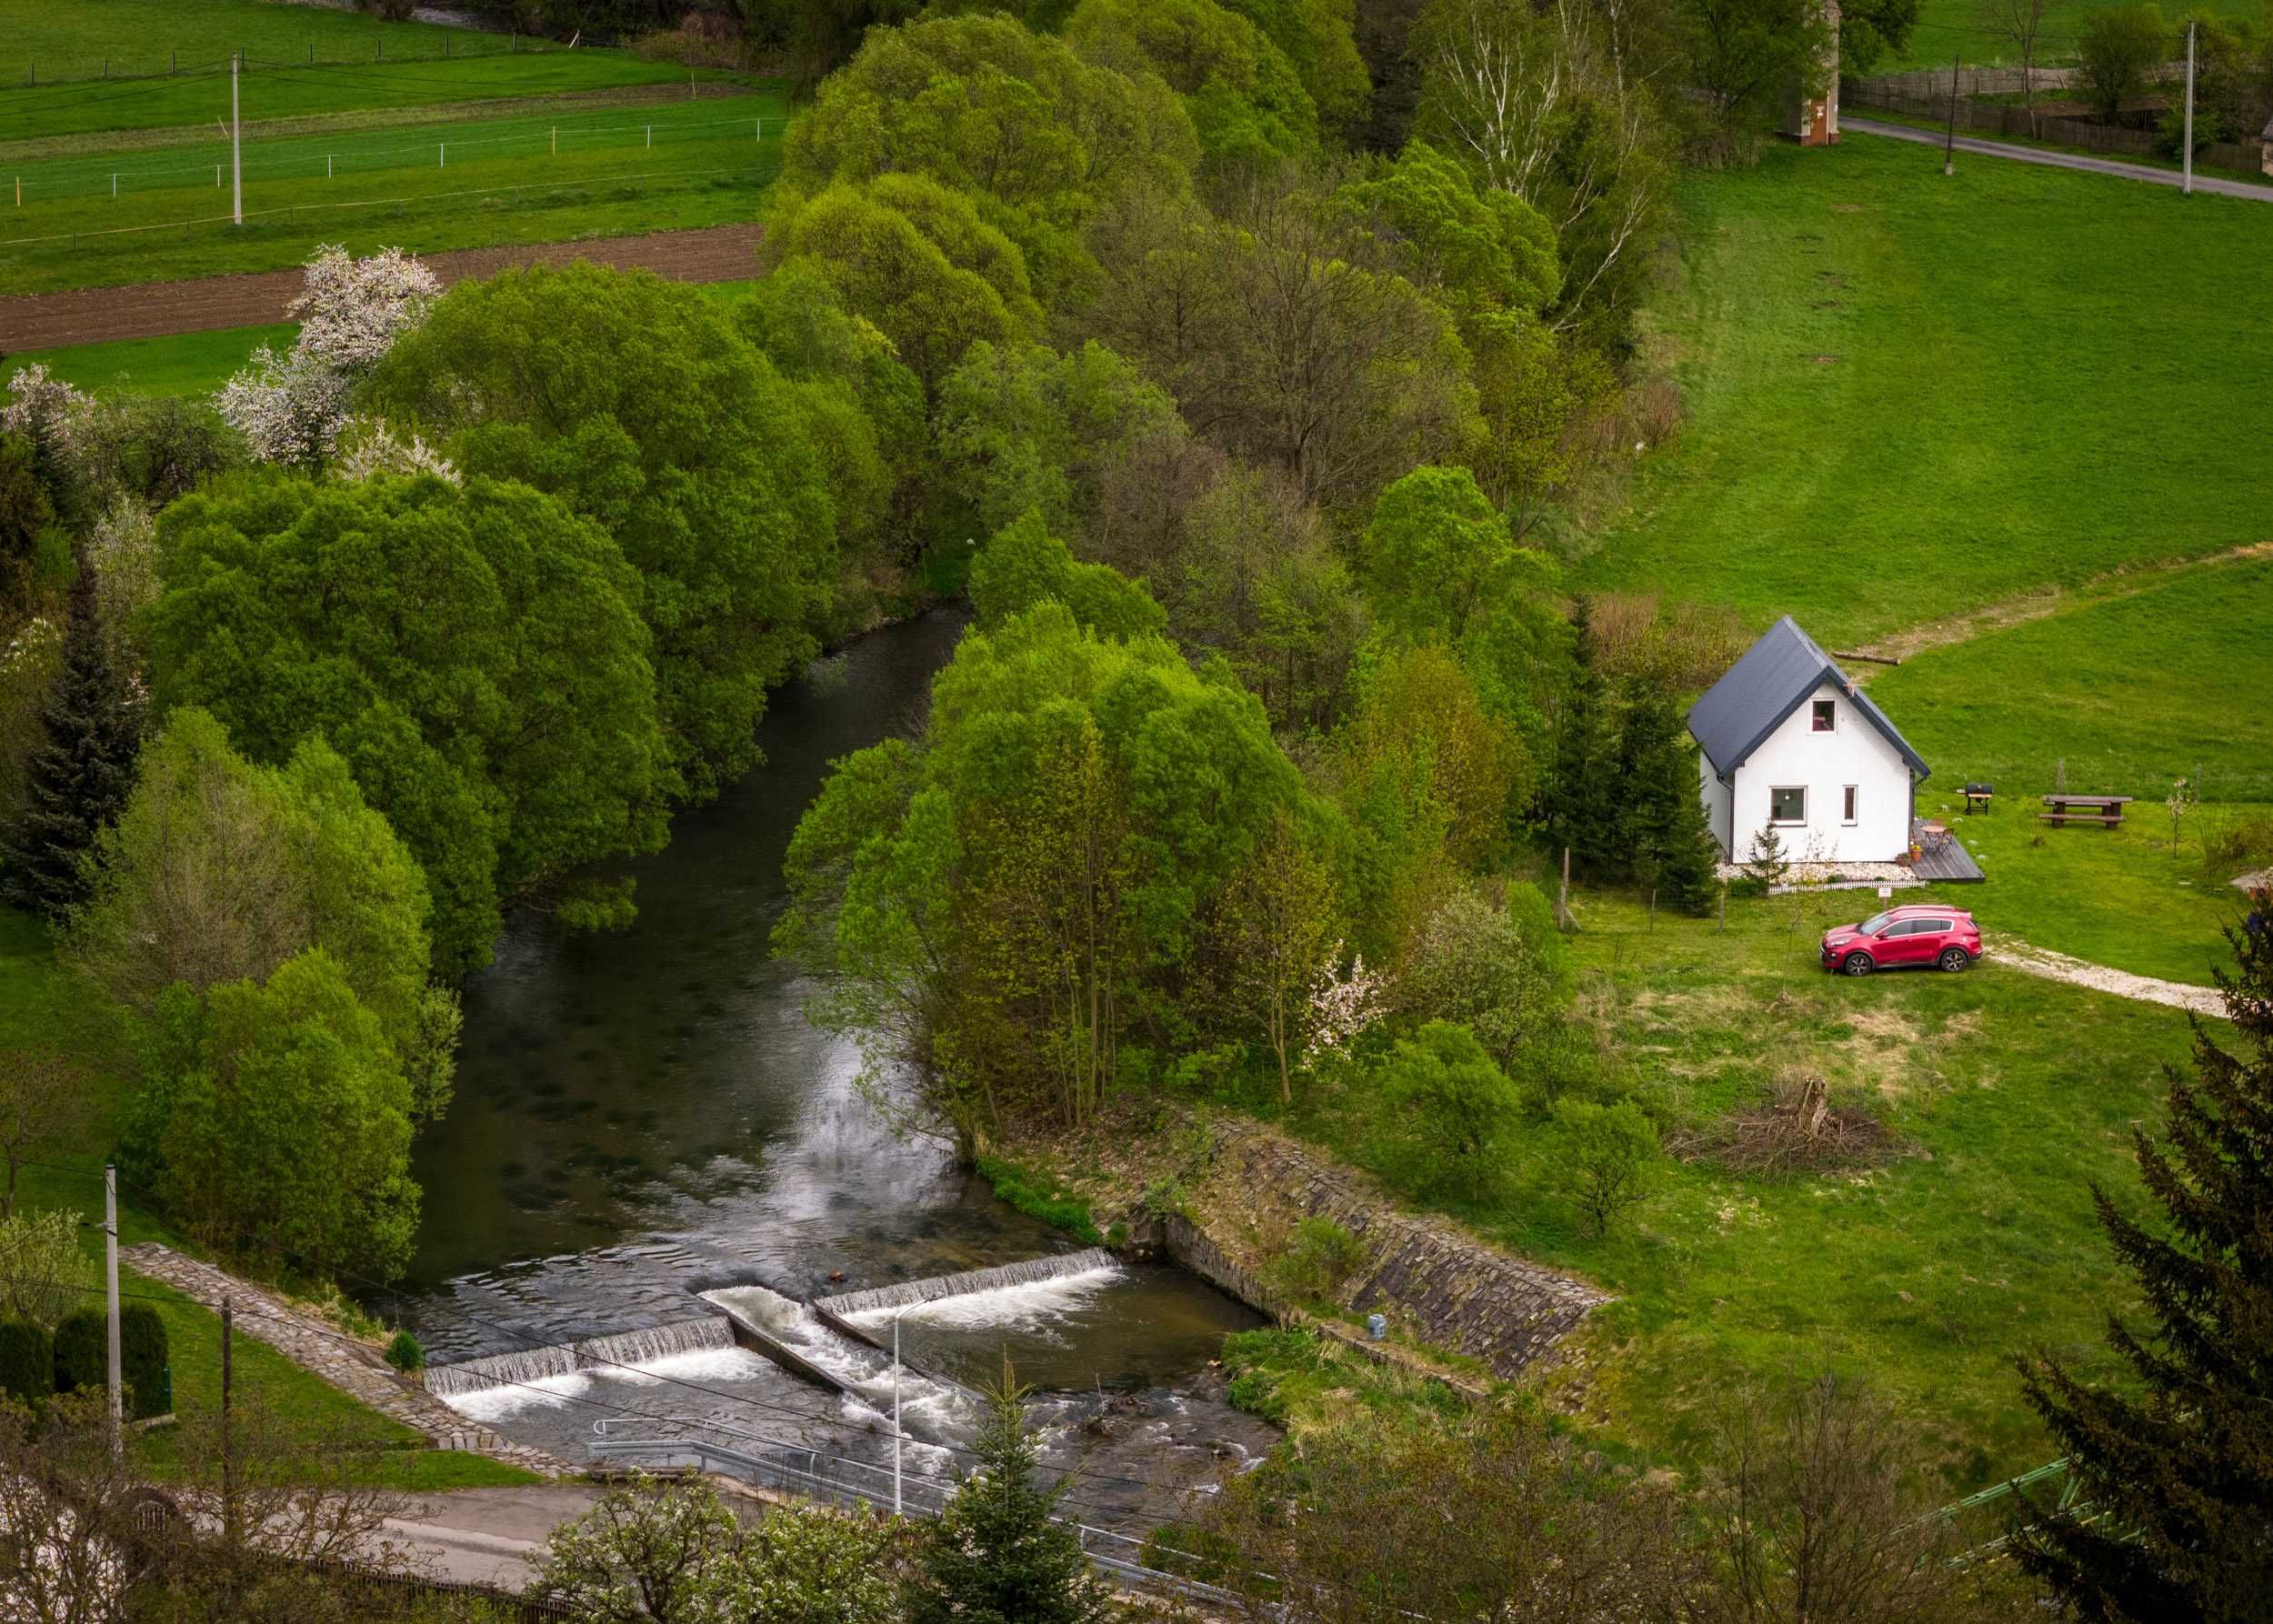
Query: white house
[1784,739]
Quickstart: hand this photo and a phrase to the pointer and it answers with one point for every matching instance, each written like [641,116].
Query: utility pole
[228,1465]
[1949,143]
[2187,185]
[236,147]
[110,1290]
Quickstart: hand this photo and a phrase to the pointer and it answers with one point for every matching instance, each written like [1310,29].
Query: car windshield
[1873,925]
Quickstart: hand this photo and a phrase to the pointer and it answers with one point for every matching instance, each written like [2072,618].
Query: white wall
[1853,752]
[1716,794]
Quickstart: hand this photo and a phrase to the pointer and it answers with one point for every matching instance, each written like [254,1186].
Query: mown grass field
[2132,687]
[167,62]
[1975,1240]
[1953,27]
[39,1005]
[1910,394]
[462,184]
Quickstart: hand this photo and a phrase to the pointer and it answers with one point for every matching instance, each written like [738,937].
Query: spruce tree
[1580,800]
[2174,1480]
[994,1556]
[1663,838]
[80,767]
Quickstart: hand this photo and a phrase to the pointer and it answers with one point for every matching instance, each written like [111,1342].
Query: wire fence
[62,180]
[644,184]
[2000,119]
[124,68]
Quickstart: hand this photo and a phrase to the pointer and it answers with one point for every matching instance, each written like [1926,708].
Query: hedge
[143,1361]
[83,1351]
[28,1361]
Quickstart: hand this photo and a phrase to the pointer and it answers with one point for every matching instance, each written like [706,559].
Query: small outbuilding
[1787,742]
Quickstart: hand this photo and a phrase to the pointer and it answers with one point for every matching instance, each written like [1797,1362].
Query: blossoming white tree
[291,407]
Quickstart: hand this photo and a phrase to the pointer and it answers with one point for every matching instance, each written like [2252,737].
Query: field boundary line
[1953,629]
[297,208]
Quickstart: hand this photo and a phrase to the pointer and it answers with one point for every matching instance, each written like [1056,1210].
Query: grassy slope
[706,166]
[2132,690]
[1948,28]
[142,37]
[2009,1094]
[193,363]
[37,1005]
[2036,381]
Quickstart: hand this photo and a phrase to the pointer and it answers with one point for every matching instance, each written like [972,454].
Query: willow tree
[996,902]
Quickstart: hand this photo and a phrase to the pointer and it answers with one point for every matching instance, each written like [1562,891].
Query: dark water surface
[647,1114]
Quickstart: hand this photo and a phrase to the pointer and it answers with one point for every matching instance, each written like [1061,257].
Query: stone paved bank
[321,1350]
[1431,1278]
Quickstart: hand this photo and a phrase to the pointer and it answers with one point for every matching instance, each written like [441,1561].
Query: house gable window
[1849,805]
[1826,713]
[1787,804]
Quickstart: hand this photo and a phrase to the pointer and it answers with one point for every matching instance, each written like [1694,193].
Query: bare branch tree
[2021,21]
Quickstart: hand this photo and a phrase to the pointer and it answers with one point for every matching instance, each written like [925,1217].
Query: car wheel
[1954,959]
[1856,963]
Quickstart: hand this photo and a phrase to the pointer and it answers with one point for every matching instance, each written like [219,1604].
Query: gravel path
[158,309]
[2146,990]
[320,1349]
[2060,160]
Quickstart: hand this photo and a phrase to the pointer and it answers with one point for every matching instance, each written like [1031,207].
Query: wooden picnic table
[2106,810]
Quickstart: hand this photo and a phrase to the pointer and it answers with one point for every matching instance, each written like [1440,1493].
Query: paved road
[2058,160]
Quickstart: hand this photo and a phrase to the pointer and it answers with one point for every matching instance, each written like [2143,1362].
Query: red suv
[1928,934]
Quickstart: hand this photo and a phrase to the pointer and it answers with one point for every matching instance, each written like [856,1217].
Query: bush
[1501,972]
[1448,1111]
[2235,842]
[83,1351]
[44,1275]
[404,1354]
[27,1362]
[1317,1260]
[1603,1158]
[145,1361]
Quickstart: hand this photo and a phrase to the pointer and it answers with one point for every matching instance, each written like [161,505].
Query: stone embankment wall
[1431,1278]
[325,1351]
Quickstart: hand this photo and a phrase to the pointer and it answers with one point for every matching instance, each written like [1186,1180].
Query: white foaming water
[1036,1307]
[931,1405]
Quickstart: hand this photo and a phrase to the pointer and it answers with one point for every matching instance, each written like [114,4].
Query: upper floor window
[1826,711]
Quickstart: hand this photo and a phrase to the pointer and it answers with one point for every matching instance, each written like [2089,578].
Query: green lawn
[183,364]
[2133,688]
[2008,1094]
[171,59]
[1911,395]
[2115,896]
[466,184]
[1953,27]
[39,1002]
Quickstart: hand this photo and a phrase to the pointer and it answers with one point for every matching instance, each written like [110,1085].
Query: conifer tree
[1663,838]
[994,1556]
[82,767]
[2174,1479]
[1580,807]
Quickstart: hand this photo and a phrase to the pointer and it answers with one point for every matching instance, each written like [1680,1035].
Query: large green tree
[274,1116]
[1245,98]
[637,403]
[2175,1470]
[80,765]
[473,653]
[1013,119]
[218,871]
[1000,900]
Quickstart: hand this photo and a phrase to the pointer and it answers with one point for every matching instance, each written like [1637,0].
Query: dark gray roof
[1754,694]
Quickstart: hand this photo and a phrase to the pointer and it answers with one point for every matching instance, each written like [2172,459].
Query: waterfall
[971,1280]
[531,1365]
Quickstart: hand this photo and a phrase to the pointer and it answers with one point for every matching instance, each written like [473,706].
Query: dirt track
[155,309]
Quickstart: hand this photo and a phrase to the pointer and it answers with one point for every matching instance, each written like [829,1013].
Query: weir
[561,1358]
[911,1293]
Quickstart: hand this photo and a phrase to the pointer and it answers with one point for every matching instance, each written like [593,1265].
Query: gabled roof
[1752,697]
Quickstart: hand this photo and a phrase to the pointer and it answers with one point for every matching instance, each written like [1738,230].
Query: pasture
[92,220]
[1911,395]
[130,65]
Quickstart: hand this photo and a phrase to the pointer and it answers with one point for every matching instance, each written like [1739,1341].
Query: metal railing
[814,1474]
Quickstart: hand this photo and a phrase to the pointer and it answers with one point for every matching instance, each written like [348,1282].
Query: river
[645,1115]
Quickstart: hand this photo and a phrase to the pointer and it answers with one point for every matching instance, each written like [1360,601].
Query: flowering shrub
[1343,1005]
[367,447]
[291,407]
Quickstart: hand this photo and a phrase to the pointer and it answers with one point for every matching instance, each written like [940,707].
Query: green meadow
[1911,395]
